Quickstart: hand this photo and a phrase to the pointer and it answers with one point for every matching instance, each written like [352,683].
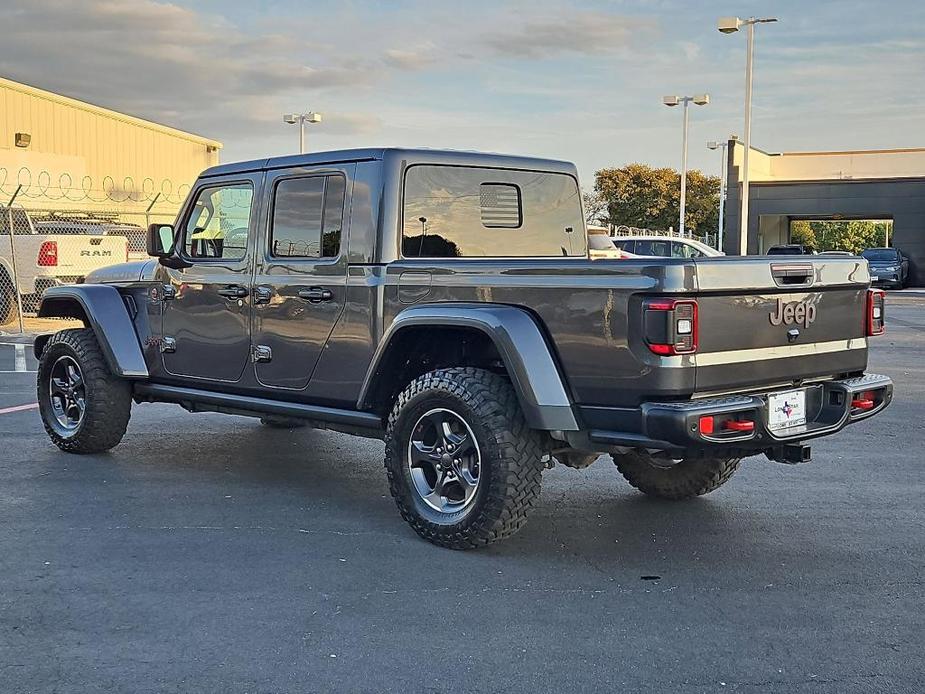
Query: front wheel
[463,466]
[675,479]
[85,408]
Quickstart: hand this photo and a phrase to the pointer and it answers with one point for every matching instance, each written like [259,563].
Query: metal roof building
[68,154]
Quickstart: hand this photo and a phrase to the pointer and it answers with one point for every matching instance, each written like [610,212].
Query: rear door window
[651,247]
[307,217]
[627,245]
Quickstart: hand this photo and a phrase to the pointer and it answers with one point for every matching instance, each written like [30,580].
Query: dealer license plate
[874,278]
[787,409]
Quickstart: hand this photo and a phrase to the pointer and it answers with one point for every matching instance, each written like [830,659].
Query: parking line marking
[19,362]
[19,408]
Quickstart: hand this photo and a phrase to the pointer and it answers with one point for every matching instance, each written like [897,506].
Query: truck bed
[593,312]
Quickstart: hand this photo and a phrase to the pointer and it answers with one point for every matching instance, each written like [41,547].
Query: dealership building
[886,185]
[60,153]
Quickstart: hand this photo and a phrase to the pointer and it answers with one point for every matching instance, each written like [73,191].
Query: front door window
[217,225]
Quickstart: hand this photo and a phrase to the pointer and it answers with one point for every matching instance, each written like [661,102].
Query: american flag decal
[500,205]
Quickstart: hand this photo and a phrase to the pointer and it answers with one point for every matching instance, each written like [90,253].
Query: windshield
[880,254]
[599,242]
[786,250]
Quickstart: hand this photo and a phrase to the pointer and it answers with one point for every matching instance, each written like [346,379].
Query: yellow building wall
[836,166]
[85,157]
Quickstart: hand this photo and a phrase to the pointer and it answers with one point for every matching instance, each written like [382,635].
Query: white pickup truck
[45,260]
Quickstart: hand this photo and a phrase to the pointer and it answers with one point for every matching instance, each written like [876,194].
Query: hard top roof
[412,156]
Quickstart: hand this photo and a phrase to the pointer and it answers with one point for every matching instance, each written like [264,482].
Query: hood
[135,271]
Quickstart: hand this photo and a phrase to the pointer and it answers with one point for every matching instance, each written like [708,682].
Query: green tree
[835,235]
[642,196]
[855,235]
[802,232]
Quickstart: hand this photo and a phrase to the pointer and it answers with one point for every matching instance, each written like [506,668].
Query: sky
[580,80]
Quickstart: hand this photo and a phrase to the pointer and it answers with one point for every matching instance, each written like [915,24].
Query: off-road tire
[108,398]
[689,478]
[511,457]
[9,311]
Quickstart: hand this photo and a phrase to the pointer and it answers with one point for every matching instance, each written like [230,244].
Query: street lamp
[302,119]
[721,146]
[700,100]
[730,25]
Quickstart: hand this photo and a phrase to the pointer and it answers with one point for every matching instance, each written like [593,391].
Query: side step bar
[194,399]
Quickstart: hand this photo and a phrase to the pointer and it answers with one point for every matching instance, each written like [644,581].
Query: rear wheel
[463,466]
[675,479]
[85,408]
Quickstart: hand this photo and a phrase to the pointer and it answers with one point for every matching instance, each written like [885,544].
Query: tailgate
[78,254]
[774,321]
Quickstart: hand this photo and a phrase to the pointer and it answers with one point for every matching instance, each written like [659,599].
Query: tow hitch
[790,454]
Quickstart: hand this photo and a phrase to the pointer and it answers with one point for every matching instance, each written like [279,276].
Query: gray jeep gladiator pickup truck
[447,302]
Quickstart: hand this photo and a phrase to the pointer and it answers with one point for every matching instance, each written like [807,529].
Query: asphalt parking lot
[208,553]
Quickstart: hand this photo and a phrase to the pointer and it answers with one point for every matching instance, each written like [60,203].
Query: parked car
[46,258]
[665,247]
[134,234]
[601,245]
[888,266]
[446,302]
[791,249]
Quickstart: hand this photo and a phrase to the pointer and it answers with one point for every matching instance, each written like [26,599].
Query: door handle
[263,295]
[233,291]
[316,294]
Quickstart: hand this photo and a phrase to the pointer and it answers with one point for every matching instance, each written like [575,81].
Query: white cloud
[575,31]
[160,60]
[422,57]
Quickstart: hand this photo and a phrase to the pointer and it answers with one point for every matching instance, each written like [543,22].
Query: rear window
[19,219]
[470,212]
[880,254]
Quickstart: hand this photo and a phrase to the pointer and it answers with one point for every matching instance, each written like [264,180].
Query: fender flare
[103,310]
[520,342]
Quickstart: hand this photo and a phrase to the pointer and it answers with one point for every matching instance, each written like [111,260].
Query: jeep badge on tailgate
[799,312]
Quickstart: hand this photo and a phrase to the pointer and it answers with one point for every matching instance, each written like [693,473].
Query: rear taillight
[876,299]
[671,326]
[48,254]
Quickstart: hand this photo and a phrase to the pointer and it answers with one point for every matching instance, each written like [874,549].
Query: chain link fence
[623,230]
[42,247]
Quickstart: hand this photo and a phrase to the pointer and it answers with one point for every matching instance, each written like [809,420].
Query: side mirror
[159,241]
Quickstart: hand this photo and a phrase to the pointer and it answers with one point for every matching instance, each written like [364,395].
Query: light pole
[302,119]
[700,100]
[721,146]
[730,25]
